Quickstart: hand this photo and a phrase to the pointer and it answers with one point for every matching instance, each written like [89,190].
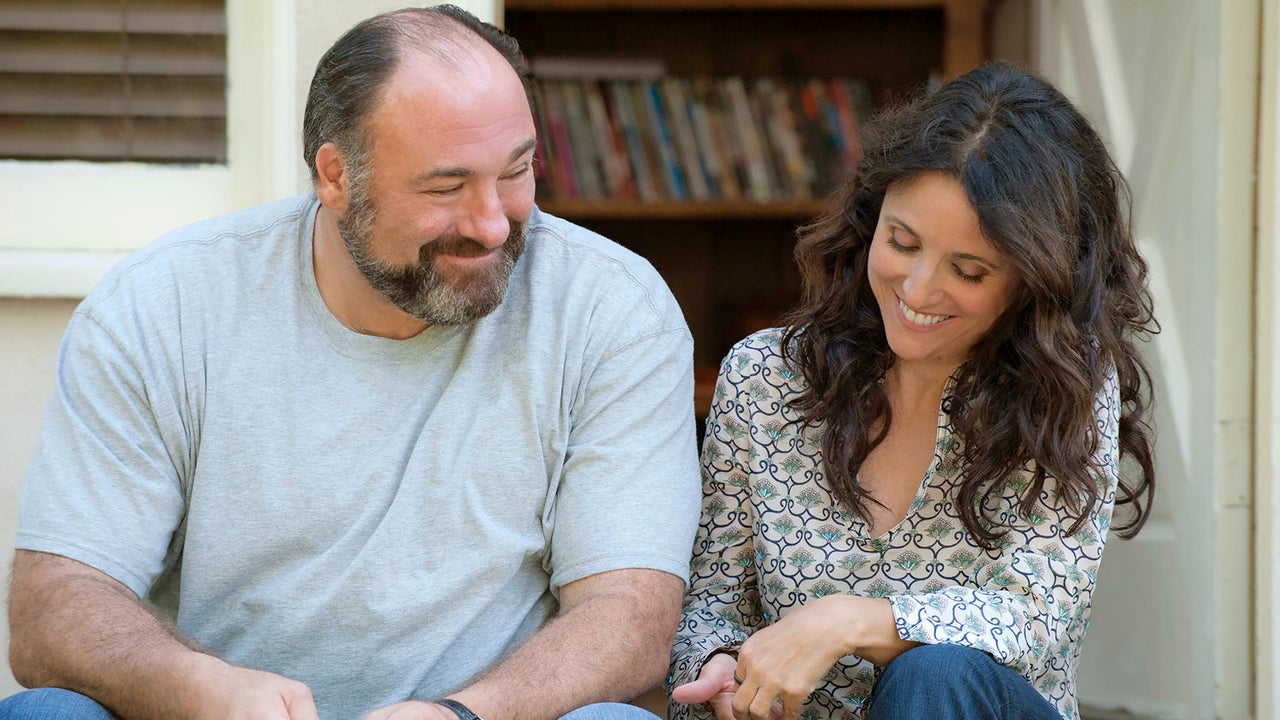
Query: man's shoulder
[250,222]
[577,260]
[575,248]
[208,251]
[584,269]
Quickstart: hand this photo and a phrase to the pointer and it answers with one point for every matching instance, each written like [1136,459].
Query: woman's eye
[893,243]
[968,277]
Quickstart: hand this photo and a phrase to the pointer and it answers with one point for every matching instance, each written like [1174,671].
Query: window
[68,221]
[140,80]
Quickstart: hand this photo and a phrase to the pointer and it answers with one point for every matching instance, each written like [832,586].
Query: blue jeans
[950,682]
[58,704]
[50,703]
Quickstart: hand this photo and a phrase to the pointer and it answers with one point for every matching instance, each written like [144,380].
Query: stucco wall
[29,333]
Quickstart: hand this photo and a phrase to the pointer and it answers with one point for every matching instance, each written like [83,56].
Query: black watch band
[462,711]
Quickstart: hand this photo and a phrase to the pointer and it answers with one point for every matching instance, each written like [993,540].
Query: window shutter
[109,80]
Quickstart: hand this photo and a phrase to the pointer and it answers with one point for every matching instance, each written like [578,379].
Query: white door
[1171,84]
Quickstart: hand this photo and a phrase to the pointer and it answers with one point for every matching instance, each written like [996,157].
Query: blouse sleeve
[722,607]
[1029,606]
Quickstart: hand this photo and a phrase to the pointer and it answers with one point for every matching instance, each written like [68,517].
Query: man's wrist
[462,711]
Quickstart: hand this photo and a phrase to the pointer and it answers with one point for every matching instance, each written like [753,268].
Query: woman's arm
[722,607]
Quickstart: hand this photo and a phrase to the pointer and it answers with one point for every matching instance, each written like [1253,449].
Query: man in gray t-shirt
[403,447]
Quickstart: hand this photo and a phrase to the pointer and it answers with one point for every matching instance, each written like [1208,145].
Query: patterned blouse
[772,537]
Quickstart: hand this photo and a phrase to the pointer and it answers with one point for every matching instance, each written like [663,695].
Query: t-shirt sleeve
[1030,601]
[103,486]
[628,495]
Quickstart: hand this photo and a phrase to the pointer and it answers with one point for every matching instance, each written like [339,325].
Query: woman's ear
[332,181]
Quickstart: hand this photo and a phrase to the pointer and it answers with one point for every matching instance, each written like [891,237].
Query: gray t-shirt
[379,519]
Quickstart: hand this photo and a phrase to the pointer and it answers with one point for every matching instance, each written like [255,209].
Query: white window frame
[66,223]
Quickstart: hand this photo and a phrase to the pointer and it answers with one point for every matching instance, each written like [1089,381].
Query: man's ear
[333,181]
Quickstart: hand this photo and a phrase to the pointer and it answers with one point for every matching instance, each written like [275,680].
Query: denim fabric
[952,682]
[58,704]
[51,704]
[609,711]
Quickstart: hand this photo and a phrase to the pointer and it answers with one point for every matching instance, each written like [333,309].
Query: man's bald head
[352,74]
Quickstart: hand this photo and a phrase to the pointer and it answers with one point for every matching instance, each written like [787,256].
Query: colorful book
[624,110]
[670,164]
[613,160]
[562,170]
[759,186]
[678,111]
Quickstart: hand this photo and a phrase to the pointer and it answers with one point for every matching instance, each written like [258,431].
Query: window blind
[111,80]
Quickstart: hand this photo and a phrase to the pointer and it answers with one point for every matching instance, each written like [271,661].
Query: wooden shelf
[730,264]
[962,46]
[684,210]
[602,5]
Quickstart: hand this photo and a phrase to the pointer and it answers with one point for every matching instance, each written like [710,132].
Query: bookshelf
[728,261]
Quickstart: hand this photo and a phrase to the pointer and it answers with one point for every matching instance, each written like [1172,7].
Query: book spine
[617,175]
[586,154]
[708,151]
[822,136]
[728,150]
[666,148]
[849,123]
[792,166]
[624,109]
[678,109]
[758,184]
[560,145]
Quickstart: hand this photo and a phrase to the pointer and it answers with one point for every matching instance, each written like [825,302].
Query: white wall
[30,329]
[1267,392]
[1172,85]
[29,333]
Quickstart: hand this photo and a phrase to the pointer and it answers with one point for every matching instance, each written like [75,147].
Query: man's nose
[483,220]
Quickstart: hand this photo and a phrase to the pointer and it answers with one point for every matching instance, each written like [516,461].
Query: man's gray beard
[419,289]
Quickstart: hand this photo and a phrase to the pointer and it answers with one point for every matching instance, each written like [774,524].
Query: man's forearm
[76,628]
[610,642]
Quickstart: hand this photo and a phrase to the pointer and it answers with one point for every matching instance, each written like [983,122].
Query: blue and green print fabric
[772,537]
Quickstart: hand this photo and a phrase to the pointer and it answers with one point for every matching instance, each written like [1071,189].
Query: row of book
[698,139]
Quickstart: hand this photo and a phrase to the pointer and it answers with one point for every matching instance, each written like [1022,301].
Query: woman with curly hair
[907,489]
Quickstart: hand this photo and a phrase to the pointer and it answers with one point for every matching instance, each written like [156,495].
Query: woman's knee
[938,662]
[51,704]
[937,681]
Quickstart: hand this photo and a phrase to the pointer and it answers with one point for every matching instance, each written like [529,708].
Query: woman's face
[939,283]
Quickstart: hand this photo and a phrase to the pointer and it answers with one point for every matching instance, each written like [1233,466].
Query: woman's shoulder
[758,351]
[757,363]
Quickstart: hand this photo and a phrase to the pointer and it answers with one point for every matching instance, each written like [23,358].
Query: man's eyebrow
[465,172]
[525,147]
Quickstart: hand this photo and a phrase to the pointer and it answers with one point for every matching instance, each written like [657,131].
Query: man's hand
[714,687]
[412,710]
[244,694]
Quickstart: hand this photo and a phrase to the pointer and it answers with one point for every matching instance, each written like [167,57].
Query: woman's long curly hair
[1048,197]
